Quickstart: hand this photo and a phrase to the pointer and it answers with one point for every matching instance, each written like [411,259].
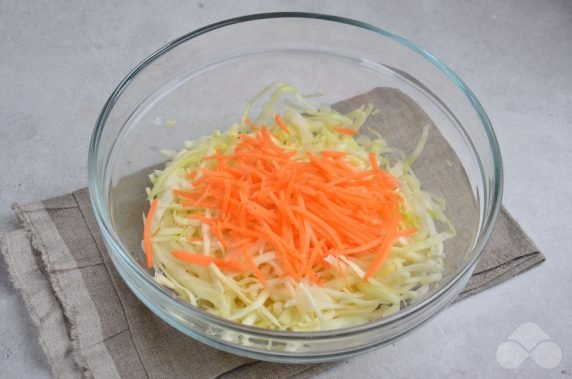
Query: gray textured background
[61,59]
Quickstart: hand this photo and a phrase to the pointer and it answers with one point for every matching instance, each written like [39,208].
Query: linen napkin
[91,325]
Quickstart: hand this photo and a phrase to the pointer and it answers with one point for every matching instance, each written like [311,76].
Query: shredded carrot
[192,174]
[185,194]
[205,260]
[304,211]
[202,219]
[406,232]
[281,123]
[252,266]
[333,154]
[251,124]
[349,132]
[373,160]
[147,233]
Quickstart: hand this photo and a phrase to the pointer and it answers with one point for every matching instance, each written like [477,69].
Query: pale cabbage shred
[414,263]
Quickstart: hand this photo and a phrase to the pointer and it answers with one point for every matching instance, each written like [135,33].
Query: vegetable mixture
[291,222]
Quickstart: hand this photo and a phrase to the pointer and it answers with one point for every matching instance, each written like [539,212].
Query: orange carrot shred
[373,161]
[251,124]
[147,233]
[185,194]
[406,232]
[252,266]
[333,154]
[192,174]
[281,124]
[205,260]
[349,132]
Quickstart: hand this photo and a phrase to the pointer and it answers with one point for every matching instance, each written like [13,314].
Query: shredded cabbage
[415,262]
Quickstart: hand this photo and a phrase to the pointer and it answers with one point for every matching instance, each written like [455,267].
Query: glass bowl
[201,81]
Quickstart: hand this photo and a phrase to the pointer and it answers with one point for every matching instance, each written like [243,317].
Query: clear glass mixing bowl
[200,82]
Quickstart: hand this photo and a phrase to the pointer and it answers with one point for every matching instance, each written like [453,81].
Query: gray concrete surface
[61,59]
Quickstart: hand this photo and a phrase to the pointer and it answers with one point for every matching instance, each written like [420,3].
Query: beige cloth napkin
[90,324]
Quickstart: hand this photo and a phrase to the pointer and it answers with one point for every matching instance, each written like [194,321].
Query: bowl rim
[100,212]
